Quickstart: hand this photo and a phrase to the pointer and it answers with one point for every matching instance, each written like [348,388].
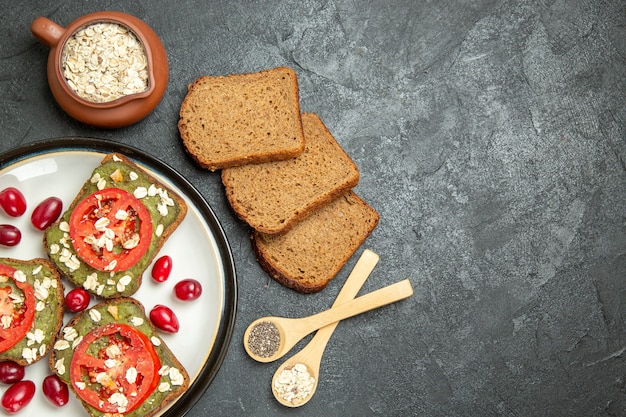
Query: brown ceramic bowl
[123,111]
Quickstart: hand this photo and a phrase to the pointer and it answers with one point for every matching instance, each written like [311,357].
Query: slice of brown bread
[273,197]
[309,256]
[242,118]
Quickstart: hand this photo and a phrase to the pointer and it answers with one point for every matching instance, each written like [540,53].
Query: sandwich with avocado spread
[115,362]
[31,309]
[114,228]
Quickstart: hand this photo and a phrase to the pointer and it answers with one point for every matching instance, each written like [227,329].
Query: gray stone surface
[491,137]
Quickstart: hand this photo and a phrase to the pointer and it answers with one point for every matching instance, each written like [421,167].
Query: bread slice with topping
[31,309]
[308,257]
[113,229]
[274,196]
[115,362]
[242,118]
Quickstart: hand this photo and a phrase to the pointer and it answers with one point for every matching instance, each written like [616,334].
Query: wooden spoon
[311,355]
[291,330]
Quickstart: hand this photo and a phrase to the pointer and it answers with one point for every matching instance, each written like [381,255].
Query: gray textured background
[490,136]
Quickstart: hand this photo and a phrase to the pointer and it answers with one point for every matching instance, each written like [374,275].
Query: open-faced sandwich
[31,309]
[114,228]
[113,359]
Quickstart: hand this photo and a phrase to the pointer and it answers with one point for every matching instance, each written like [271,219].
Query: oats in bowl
[105,61]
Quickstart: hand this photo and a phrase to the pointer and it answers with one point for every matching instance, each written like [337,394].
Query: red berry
[164,318]
[55,390]
[162,268]
[11,372]
[17,396]
[12,201]
[46,212]
[9,235]
[188,289]
[77,300]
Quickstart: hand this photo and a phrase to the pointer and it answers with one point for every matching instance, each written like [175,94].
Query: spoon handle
[384,296]
[363,268]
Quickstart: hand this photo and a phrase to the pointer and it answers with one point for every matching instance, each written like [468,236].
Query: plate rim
[225,331]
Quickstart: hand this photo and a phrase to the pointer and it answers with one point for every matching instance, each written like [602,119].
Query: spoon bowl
[290,331]
[295,381]
[310,357]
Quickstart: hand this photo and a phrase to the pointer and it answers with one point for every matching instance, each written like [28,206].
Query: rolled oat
[294,384]
[105,61]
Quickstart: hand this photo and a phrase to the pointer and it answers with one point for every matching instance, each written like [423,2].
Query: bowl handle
[47,31]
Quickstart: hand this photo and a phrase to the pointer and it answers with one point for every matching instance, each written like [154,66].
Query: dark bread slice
[173,381]
[118,171]
[42,276]
[274,196]
[242,118]
[309,256]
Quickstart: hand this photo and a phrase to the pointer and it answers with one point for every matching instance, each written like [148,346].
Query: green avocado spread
[165,212]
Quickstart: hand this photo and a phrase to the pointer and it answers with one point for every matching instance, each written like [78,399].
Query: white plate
[198,249]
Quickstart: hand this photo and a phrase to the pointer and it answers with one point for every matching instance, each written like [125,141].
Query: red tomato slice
[115,368]
[111,229]
[17,309]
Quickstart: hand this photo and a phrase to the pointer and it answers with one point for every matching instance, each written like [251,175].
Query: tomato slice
[111,229]
[17,308]
[115,368]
